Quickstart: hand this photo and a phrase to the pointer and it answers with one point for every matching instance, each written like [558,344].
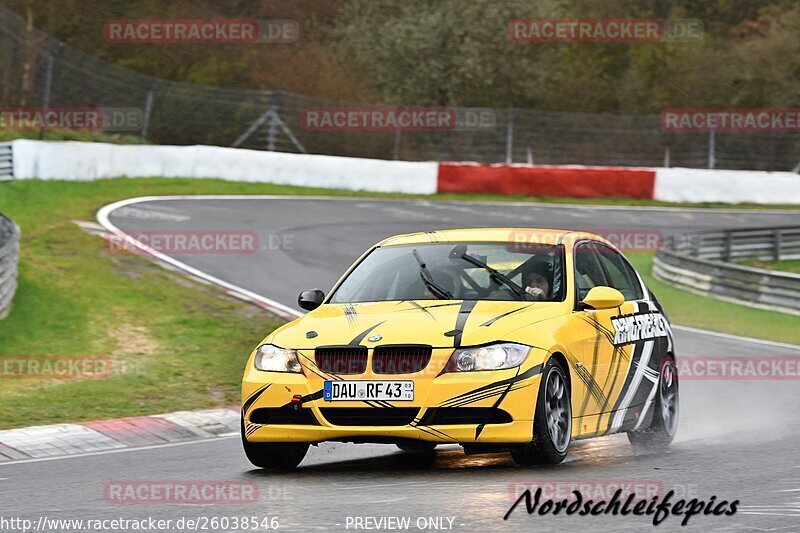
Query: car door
[640,338]
[594,357]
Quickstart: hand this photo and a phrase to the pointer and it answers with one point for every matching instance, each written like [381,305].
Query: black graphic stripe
[636,355]
[434,306]
[607,333]
[351,314]
[312,366]
[619,356]
[463,314]
[487,394]
[533,371]
[591,386]
[467,397]
[432,431]
[423,309]
[357,341]
[253,397]
[472,398]
[498,317]
[638,348]
[479,429]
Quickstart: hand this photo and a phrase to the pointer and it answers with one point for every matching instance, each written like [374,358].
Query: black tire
[664,425]
[274,455]
[421,446]
[543,449]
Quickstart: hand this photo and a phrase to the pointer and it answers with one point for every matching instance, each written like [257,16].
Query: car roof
[504,235]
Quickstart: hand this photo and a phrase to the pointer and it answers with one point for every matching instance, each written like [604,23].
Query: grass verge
[176,344]
[786,265]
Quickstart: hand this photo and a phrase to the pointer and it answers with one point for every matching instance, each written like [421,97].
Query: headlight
[274,359]
[491,357]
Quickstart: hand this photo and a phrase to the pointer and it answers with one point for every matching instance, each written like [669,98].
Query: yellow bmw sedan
[499,340]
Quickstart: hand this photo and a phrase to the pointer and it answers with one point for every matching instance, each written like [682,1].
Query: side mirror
[602,298]
[310,299]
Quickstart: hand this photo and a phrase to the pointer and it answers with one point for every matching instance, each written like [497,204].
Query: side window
[623,278]
[588,272]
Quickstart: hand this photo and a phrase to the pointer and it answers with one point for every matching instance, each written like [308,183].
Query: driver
[537,281]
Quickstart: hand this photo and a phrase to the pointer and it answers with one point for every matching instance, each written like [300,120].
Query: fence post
[530,155]
[510,137]
[776,251]
[666,156]
[726,254]
[148,108]
[273,122]
[48,84]
[712,147]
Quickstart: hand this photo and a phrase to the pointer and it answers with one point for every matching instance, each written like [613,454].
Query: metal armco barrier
[703,262]
[6,161]
[9,258]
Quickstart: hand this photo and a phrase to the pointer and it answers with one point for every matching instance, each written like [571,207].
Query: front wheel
[665,415]
[552,422]
[274,455]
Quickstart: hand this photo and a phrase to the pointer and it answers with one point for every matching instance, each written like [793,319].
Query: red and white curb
[58,440]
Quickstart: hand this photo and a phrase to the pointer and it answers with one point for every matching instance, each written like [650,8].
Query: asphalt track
[738,440]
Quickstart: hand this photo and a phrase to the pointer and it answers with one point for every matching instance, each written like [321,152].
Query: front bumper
[435,415]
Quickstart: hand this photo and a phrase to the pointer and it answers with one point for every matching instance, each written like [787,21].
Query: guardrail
[9,258]
[702,262]
[6,161]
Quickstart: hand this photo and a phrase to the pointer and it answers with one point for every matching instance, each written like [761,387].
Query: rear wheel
[552,423]
[274,455]
[665,411]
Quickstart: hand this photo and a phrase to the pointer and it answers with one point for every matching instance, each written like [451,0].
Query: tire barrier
[705,263]
[6,162]
[9,259]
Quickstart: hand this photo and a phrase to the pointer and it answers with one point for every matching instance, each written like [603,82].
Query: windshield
[452,271]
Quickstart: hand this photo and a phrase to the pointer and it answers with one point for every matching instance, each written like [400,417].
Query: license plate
[335,391]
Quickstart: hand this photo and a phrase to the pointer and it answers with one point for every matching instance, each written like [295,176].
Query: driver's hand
[536,292]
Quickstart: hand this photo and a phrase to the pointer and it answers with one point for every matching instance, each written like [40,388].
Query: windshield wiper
[497,277]
[435,289]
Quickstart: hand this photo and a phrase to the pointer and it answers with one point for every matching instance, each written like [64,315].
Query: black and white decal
[646,329]
[638,327]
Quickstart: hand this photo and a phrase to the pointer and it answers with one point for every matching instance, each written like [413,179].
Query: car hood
[435,322]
